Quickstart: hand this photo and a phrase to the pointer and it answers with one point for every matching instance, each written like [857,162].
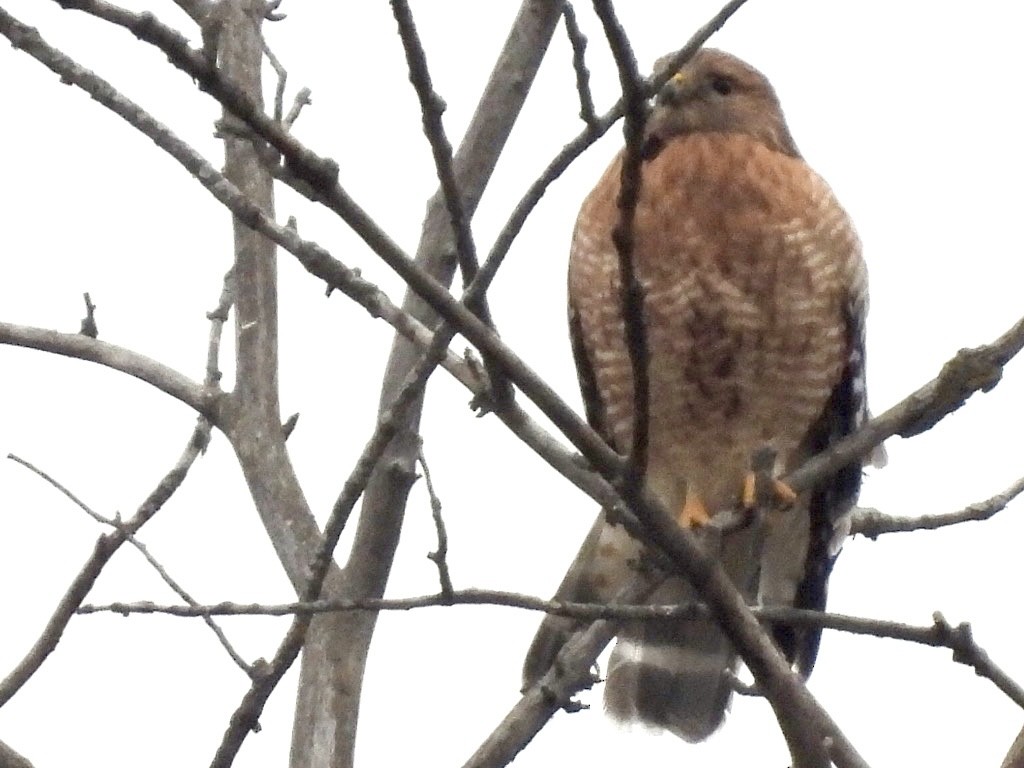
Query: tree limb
[204,400]
[872,523]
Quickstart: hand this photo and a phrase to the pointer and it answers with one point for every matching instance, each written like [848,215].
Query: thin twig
[89,321]
[302,99]
[282,79]
[218,317]
[432,107]
[939,634]
[440,556]
[492,597]
[872,523]
[631,292]
[578,41]
[118,525]
[104,549]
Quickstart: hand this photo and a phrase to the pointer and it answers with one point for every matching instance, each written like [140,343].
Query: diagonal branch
[315,177]
[335,274]
[969,371]
[11,759]
[432,107]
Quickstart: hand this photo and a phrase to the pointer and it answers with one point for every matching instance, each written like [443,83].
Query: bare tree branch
[317,180]
[575,610]
[872,523]
[335,274]
[11,759]
[119,526]
[108,544]
[432,107]
[941,634]
[204,400]
[440,556]
[969,371]
[1015,757]
[578,41]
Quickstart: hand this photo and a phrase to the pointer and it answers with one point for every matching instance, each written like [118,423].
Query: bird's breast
[746,260]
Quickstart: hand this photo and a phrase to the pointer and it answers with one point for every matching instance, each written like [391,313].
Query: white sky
[910,110]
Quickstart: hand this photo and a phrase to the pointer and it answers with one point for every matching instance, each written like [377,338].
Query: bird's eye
[721,85]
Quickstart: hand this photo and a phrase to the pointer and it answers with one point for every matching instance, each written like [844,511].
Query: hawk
[755,295]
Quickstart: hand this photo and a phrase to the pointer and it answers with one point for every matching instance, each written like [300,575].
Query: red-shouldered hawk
[755,296]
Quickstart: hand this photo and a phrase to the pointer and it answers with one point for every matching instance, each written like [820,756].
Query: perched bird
[755,296]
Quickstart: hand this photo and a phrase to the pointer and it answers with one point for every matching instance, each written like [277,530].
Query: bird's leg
[760,487]
[693,514]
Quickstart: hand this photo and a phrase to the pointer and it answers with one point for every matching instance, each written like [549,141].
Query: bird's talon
[783,493]
[693,514]
[748,496]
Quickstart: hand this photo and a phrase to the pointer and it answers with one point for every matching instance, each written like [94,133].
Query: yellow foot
[693,514]
[783,493]
[777,493]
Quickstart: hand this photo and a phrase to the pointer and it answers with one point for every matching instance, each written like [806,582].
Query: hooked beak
[676,90]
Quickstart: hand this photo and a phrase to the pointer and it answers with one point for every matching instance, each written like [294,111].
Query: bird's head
[714,92]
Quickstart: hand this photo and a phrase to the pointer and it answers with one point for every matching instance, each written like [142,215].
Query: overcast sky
[910,110]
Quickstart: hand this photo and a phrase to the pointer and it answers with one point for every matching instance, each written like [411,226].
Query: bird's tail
[668,674]
[671,674]
[677,674]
